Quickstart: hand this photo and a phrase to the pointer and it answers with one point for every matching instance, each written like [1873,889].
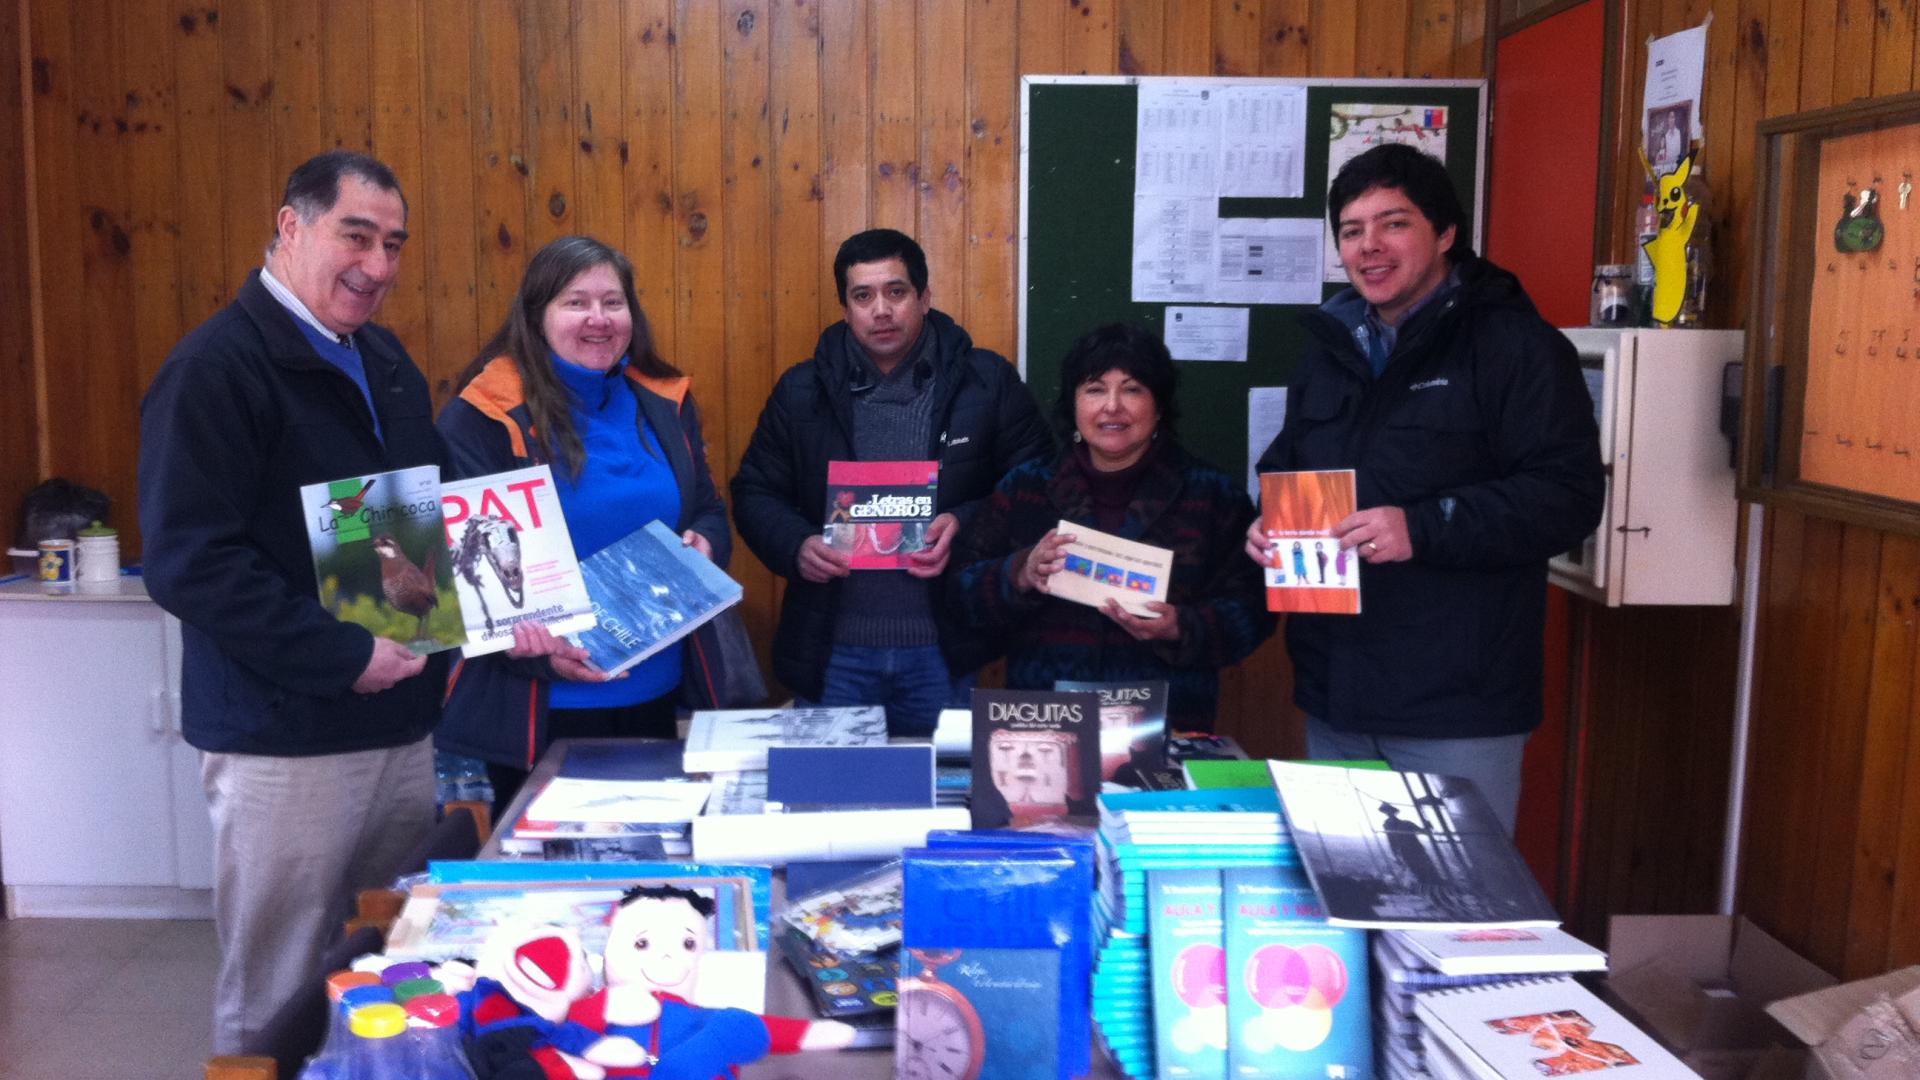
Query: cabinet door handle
[157,710]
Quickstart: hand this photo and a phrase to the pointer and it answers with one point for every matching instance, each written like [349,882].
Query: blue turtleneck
[624,482]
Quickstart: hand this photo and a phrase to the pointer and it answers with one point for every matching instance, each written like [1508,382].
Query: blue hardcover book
[971,1012]
[806,878]
[1076,1048]
[809,778]
[1189,974]
[649,590]
[964,900]
[1297,1000]
[627,759]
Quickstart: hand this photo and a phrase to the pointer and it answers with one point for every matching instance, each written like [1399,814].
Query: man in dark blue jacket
[318,772]
[1477,458]
[895,381]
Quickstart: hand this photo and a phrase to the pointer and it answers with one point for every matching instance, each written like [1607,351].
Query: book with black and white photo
[512,557]
[730,740]
[1530,1028]
[1415,851]
[649,590]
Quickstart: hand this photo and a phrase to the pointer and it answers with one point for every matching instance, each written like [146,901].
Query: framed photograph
[1833,344]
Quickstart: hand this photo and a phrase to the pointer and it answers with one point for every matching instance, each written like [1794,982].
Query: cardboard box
[1701,983]
[1868,1029]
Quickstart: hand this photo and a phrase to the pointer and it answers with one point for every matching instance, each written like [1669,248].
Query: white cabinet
[1667,533]
[101,813]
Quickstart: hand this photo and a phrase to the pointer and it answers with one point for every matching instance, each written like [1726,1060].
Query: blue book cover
[649,590]
[1189,974]
[1077,965]
[1006,898]
[1297,1000]
[1202,801]
[808,778]
[976,1012]
[625,759]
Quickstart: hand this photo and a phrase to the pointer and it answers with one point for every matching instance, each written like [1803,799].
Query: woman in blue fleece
[572,380]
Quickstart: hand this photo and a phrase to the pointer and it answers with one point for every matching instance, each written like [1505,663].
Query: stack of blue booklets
[1163,830]
[996,956]
[1145,832]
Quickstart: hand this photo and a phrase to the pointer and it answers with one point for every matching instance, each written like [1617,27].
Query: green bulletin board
[1077,153]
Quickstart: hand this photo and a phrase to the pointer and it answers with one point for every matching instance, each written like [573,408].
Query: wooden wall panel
[20,410]
[1831,850]
[729,145]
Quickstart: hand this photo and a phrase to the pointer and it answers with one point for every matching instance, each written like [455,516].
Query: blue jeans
[1493,763]
[910,682]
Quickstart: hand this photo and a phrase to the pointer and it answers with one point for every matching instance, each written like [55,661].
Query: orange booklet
[1307,570]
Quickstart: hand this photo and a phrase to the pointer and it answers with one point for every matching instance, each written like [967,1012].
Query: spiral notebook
[1531,1028]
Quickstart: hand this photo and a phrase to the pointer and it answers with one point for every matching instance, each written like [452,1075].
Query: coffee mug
[56,566]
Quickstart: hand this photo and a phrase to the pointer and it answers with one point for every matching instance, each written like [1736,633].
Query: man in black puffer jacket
[894,381]
[1472,436]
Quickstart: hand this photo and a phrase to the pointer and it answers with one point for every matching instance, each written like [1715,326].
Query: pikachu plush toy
[1668,248]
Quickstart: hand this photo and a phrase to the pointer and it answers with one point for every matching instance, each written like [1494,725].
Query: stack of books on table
[953,757]
[612,801]
[842,941]
[1146,832]
[1410,962]
[996,956]
[811,785]
[1249,980]
[1521,1030]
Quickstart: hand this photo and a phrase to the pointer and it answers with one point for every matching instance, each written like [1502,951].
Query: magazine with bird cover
[649,590]
[878,511]
[512,557]
[380,556]
[1307,570]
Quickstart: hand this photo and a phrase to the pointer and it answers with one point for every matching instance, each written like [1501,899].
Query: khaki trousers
[294,839]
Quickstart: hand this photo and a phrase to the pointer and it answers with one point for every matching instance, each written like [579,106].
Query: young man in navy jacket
[1471,432]
[895,380]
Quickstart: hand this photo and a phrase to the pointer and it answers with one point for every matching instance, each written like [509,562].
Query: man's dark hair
[314,185]
[1420,176]
[701,905]
[1129,347]
[878,245]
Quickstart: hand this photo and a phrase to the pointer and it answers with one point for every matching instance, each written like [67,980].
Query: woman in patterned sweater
[1123,473]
